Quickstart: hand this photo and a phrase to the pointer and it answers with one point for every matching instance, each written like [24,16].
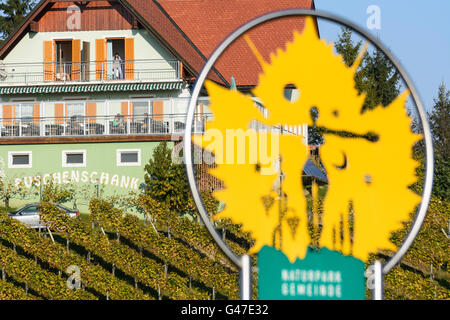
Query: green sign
[322,275]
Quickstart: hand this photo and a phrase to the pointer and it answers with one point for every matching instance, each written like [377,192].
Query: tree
[13,13]
[349,50]
[380,80]
[56,193]
[8,190]
[346,47]
[439,123]
[166,181]
[376,75]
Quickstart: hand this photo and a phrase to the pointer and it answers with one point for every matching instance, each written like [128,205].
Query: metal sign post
[246,278]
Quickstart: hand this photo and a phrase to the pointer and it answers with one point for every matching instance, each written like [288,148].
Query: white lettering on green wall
[115,180]
[75,176]
[85,176]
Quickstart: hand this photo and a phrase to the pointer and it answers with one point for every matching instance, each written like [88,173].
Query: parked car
[29,214]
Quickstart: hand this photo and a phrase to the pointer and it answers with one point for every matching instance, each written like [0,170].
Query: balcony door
[115,68]
[63,57]
[105,51]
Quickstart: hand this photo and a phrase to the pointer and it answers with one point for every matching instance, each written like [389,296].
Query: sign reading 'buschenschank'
[76,176]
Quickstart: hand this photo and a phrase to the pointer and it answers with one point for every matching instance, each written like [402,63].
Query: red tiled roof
[192,29]
[162,26]
[208,22]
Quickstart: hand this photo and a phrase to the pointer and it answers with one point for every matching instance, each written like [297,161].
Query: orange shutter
[124,110]
[129,58]
[76,60]
[8,114]
[36,113]
[100,49]
[59,113]
[158,110]
[181,73]
[91,112]
[49,61]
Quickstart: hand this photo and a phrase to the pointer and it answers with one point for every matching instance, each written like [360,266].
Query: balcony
[99,126]
[86,72]
[134,117]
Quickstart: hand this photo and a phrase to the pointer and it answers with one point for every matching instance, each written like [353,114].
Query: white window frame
[128,164]
[19,107]
[20,153]
[73,165]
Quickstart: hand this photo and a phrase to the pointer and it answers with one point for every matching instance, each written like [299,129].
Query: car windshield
[29,211]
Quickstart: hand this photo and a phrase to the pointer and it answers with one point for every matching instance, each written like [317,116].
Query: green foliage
[8,190]
[439,119]
[13,13]
[56,255]
[57,193]
[189,231]
[143,269]
[441,180]
[380,80]
[167,249]
[412,278]
[9,291]
[345,46]
[48,284]
[439,122]
[166,181]
[376,76]
[440,127]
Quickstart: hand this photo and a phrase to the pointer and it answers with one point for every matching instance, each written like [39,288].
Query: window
[19,159]
[140,108]
[75,110]
[24,112]
[74,158]
[30,211]
[128,157]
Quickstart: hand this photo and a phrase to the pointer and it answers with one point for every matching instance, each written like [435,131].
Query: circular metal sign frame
[428,182]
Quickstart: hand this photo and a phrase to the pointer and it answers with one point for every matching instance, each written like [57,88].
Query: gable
[92,15]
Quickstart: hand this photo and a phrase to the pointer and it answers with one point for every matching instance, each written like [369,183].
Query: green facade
[100,172]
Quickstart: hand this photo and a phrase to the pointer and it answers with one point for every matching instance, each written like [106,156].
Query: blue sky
[416,31]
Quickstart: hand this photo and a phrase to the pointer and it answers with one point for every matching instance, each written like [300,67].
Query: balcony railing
[132,70]
[100,126]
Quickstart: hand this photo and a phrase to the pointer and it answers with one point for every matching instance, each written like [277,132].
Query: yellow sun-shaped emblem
[262,169]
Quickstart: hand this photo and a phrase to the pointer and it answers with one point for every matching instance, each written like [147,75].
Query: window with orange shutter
[129,58]
[49,61]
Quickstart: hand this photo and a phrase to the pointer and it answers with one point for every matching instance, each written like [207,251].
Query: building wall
[31,48]
[101,168]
